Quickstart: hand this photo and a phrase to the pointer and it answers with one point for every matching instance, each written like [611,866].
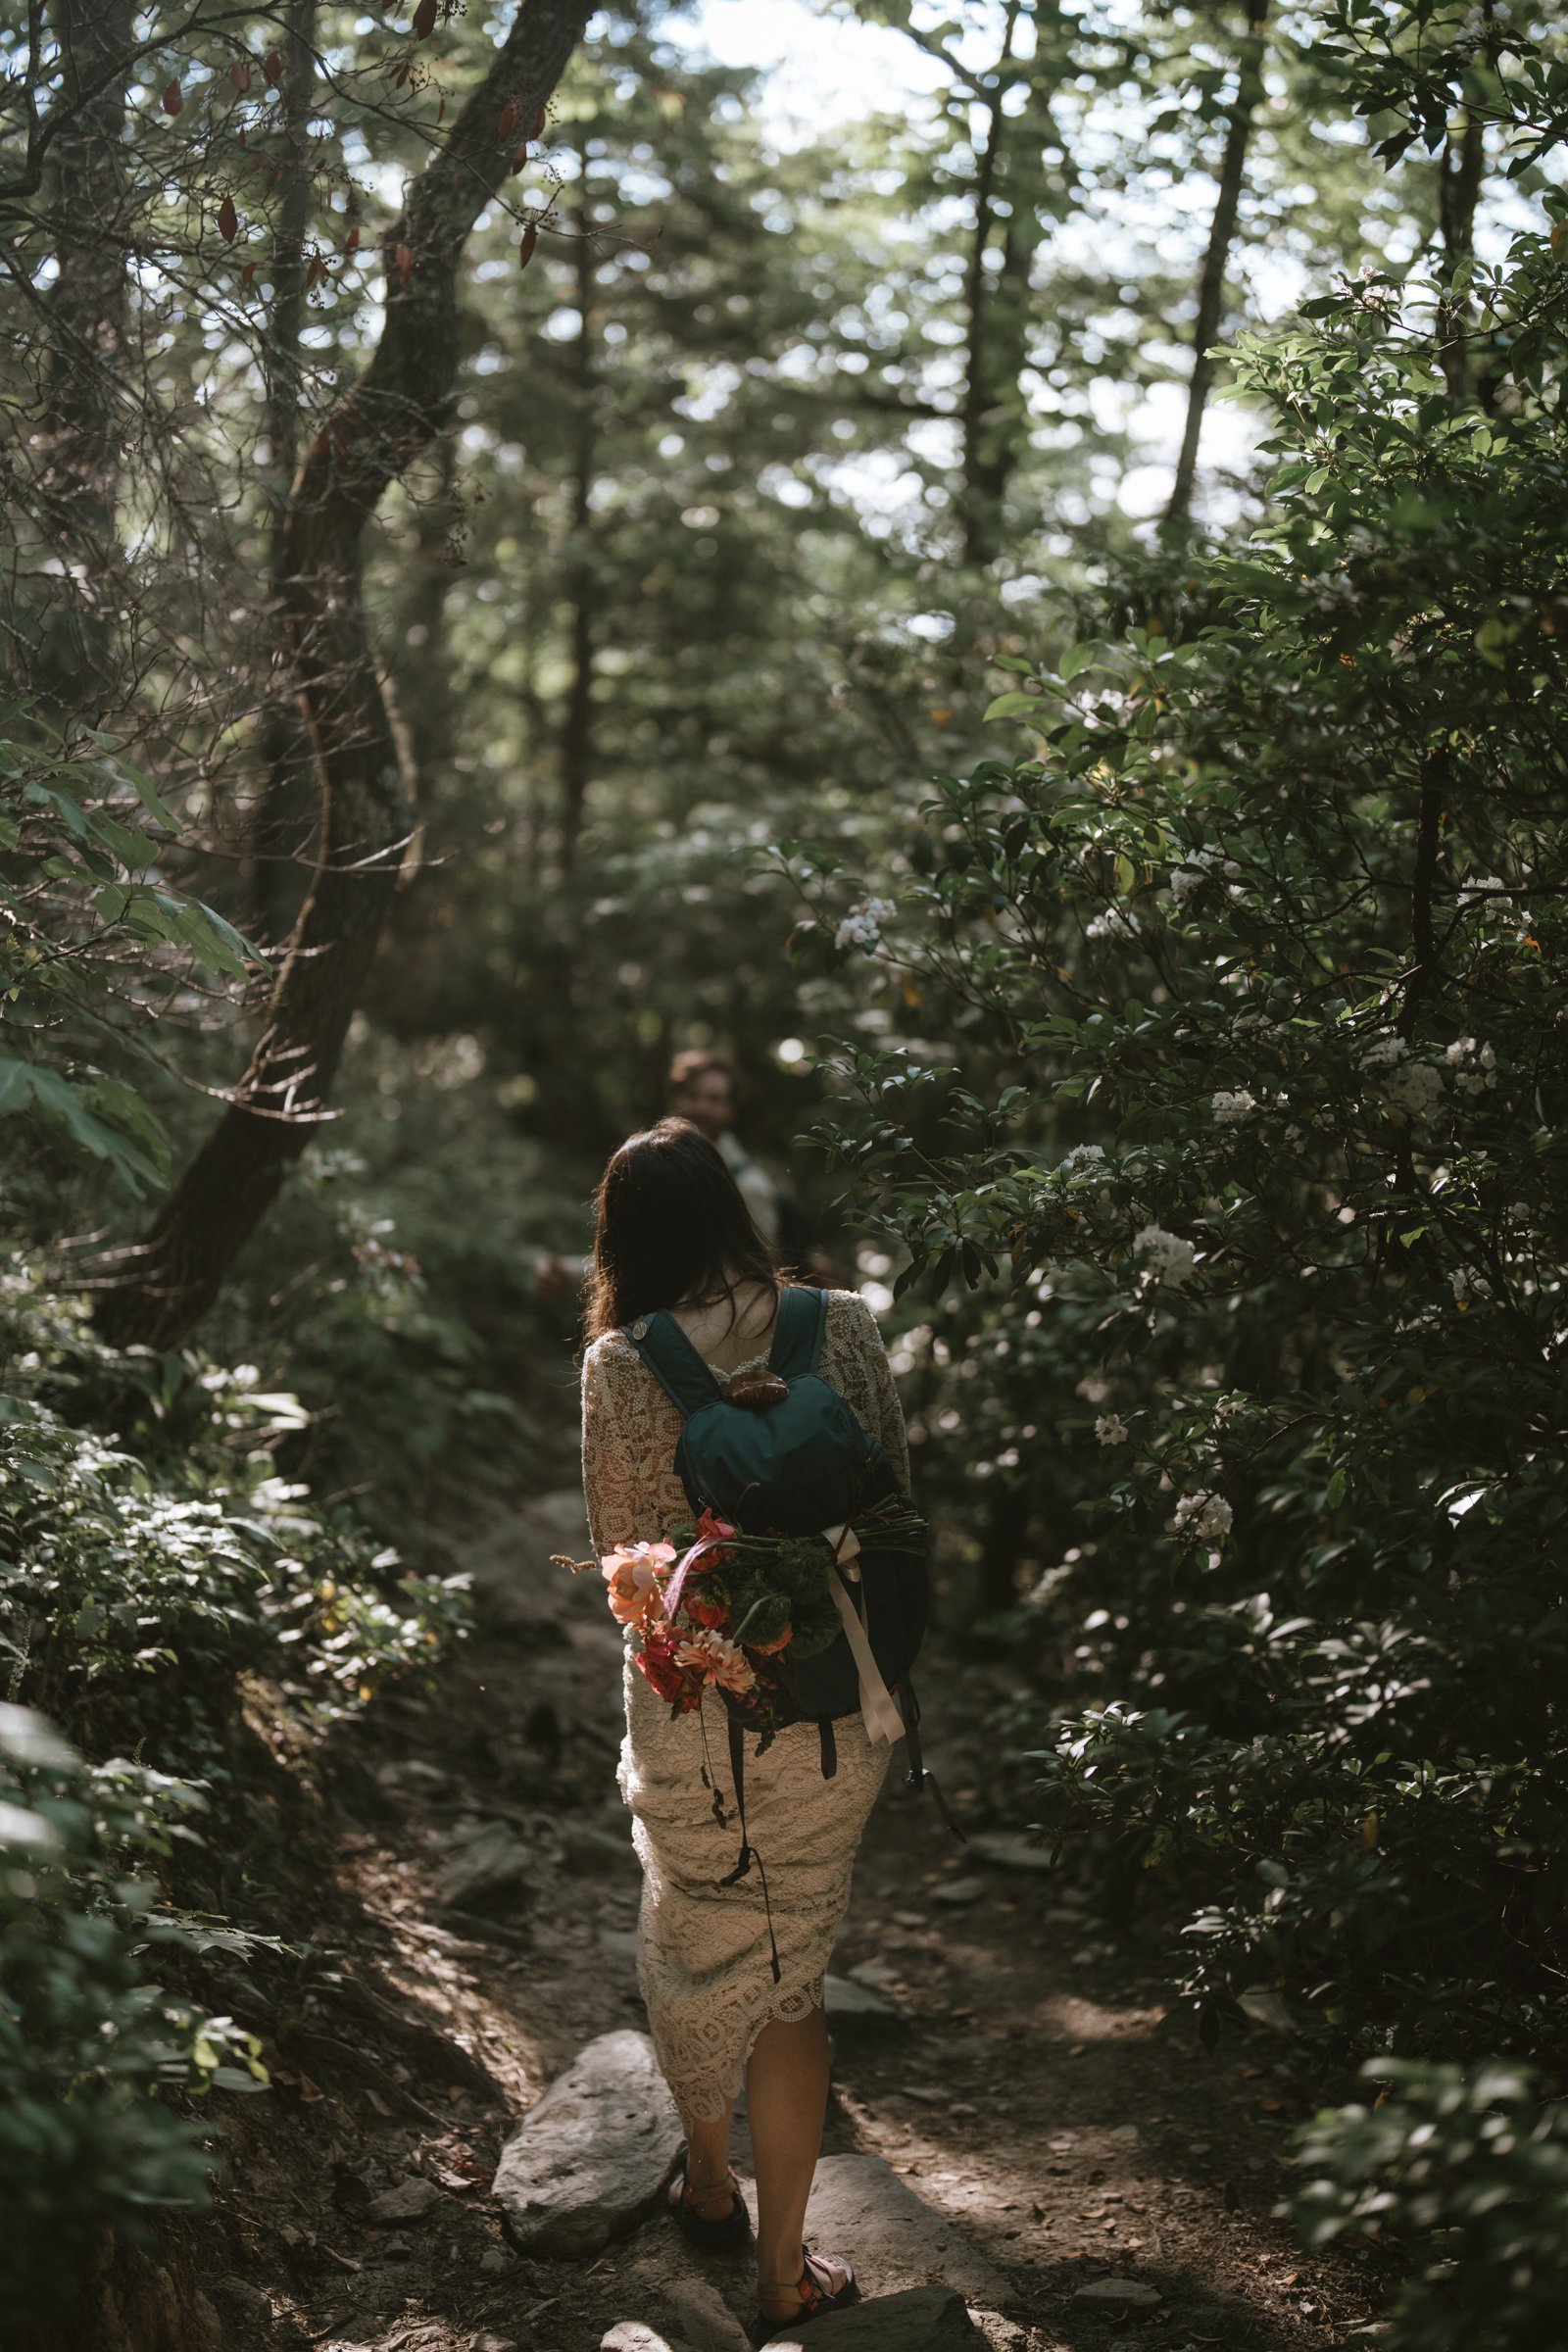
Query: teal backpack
[791,1463]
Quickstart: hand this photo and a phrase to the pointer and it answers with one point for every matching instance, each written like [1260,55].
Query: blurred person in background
[705,1088]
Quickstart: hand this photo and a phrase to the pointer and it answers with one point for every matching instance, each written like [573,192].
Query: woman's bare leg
[708,2185]
[786,2103]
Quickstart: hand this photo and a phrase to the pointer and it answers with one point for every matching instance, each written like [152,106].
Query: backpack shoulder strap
[675,1362]
[798,1333]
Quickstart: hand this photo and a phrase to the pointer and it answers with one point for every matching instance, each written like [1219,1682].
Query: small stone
[1118,2294]
[959,1892]
[409,2201]
[1124,2135]
[908,1919]
[239,2294]
[876,1972]
[923,2319]
[1004,1849]
[588,1852]
[489,2341]
[493,2259]
[593,2157]
[630,2336]
[700,2318]
[488,1869]
[859,2008]
[619,1943]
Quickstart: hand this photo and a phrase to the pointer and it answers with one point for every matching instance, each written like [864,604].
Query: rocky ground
[1014,2136]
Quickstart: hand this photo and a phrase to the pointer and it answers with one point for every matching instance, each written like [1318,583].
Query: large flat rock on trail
[923,2319]
[860,2209]
[593,2156]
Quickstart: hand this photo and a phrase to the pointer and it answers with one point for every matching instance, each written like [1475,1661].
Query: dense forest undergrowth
[521,560]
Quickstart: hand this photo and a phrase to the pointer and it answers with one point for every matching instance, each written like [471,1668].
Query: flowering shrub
[85,2036]
[1255,961]
[139,1581]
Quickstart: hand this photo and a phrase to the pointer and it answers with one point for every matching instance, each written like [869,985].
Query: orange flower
[632,1574]
[705,1612]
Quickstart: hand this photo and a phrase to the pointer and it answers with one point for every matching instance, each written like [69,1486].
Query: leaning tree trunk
[371,436]
[1211,282]
[283,830]
[81,435]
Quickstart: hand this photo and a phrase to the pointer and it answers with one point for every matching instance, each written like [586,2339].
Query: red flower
[702,1611]
[659,1663]
[712,1529]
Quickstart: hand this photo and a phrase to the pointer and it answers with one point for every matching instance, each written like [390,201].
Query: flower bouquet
[712,1605]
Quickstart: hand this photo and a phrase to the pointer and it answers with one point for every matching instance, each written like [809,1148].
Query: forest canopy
[1022,602]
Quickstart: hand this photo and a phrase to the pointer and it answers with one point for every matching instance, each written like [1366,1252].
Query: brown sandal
[732,2229]
[816,2296]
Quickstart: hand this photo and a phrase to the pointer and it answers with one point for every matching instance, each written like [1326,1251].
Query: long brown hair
[671,1225]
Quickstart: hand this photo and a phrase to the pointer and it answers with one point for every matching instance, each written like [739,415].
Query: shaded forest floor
[468,1894]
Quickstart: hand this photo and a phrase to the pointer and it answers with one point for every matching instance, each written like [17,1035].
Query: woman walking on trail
[731,1973]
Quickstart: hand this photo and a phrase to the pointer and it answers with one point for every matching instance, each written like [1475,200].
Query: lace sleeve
[855,1363]
[629,1434]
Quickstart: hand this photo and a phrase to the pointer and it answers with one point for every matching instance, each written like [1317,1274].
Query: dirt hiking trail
[1010,2119]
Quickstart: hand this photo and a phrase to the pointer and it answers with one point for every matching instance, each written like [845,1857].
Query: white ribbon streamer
[878,1708]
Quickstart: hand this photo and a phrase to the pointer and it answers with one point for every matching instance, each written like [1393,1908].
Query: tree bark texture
[577,719]
[80,435]
[371,436]
[284,827]
[1217,258]
[1460,176]
[983,480]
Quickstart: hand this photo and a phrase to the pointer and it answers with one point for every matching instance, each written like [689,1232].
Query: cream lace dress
[703,1963]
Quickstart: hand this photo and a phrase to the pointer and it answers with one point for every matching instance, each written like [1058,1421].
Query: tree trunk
[81,441]
[1460,176]
[371,436]
[982,504]
[576,731]
[286,820]
[1211,281]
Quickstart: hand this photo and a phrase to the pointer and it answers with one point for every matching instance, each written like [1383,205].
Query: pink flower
[717,1662]
[632,1574]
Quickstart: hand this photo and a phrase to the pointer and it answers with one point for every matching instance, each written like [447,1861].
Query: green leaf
[1012,705]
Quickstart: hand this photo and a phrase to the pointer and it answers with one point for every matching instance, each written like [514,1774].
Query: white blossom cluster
[1468,1287]
[861,927]
[1488,894]
[1412,1086]
[1202,865]
[1117,922]
[1229,1108]
[1206,1515]
[1111,1429]
[1474,1067]
[1080,1159]
[1168,1256]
